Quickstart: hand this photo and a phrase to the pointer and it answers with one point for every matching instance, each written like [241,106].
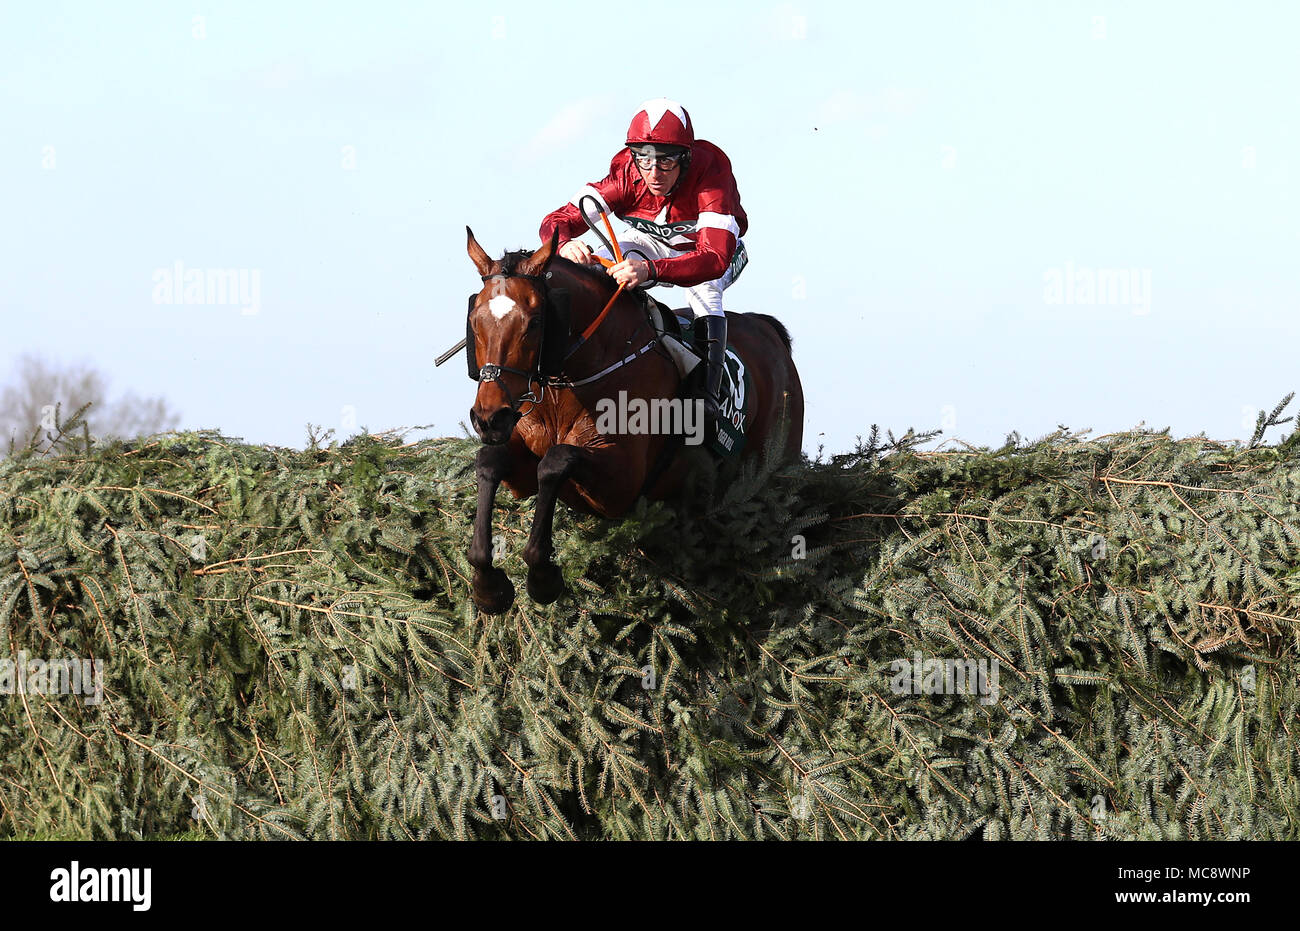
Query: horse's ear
[476,253]
[536,263]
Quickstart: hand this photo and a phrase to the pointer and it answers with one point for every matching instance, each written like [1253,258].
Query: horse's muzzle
[495,430]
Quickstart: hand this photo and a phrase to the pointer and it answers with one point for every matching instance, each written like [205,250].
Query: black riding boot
[716,341]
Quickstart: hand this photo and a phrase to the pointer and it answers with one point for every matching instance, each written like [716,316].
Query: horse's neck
[615,328]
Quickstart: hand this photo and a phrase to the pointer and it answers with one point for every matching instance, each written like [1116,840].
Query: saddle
[677,333]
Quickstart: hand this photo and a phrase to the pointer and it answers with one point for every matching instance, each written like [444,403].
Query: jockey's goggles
[646,157]
[665,162]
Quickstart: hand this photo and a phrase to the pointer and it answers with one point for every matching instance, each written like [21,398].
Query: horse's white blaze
[501,305]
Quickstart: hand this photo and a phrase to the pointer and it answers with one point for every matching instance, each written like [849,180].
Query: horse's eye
[535,322]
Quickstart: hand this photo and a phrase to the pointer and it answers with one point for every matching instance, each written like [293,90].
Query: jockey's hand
[575,250]
[630,272]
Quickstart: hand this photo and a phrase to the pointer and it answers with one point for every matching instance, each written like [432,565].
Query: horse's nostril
[502,420]
[495,428]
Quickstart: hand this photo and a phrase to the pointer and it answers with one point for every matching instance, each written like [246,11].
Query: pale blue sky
[913,174]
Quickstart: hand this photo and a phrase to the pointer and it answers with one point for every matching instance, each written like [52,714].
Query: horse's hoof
[494,593]
[545,583]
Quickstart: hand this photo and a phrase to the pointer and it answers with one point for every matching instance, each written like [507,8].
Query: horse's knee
[558,464]
[492,463]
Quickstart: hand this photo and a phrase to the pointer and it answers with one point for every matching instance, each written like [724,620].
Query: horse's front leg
[494,593]
[561,463]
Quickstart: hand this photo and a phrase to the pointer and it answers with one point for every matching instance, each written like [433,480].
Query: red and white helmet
[661,122]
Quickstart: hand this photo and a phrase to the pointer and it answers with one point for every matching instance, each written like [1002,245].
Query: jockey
[679,197]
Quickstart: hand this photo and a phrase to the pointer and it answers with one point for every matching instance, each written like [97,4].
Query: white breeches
[704,298]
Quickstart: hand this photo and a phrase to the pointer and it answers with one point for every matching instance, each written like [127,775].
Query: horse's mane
[594,274]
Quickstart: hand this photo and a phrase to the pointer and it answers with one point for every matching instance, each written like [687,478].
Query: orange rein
[618,254]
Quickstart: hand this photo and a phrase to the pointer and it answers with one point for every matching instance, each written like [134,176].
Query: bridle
[549,360]
[492,370]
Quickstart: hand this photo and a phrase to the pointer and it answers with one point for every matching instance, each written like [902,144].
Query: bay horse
[519,335]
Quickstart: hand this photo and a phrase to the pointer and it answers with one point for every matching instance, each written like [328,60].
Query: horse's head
[505,336]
